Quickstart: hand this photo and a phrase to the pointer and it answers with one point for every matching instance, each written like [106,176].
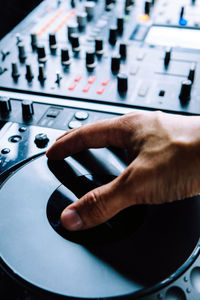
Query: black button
[22,129]
[15,139]
[161,93]
[5,151]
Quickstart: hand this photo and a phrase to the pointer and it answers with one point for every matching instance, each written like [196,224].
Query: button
[74,124]
[161,93]
[41,140]
[134,70]
[100,90]
[143,91]
[22,129]
[86,89]
[78,78]
[52,113]
[72,87]
[91,79]
[140,56]
[81,115]
[105,82]
[5,151]
[15,139]
[143,18]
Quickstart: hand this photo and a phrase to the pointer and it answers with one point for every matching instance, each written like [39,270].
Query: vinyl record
[130,254]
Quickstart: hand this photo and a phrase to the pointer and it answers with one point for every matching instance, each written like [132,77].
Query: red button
[100,90]
[91,79]
[86,89]
[72,87]
[105,82]
[78,78]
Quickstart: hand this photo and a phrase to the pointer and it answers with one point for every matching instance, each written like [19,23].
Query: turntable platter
[32,249]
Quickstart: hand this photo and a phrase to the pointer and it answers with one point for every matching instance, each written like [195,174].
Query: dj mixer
[70,63]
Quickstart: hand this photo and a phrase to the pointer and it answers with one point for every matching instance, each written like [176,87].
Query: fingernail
[71,220]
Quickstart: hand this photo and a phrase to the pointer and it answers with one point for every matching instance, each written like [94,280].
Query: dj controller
[70,63]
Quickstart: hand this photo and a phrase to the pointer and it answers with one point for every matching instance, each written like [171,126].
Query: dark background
[13,11]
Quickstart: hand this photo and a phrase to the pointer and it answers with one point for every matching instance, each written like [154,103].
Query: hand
[166,164]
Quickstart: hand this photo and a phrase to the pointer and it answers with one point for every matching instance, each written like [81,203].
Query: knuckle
[95,204]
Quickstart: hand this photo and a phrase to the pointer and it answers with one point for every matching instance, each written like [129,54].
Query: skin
[165,166]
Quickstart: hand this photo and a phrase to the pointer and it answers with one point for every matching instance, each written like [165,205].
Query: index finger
[100,134]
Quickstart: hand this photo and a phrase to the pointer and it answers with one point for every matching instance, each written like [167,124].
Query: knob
[33,40]
[22,52]
[147,7]
[193,2]
[90,59]
[27,109]
[41,75]
[89,8]
[123,50]
[128,6]
[192,71]
[29,73]
[82,20]
[113,35]
[122,83]
[18,38]
[15,73]
[72,28]
[52,41]
[108,4]
[73,3]
[41,140]
[5,105]
[185,92]
[75,42]
[167,57]
[65,58]
[115,63]
[99,46]
[41,54]
[58,78]
[120,25]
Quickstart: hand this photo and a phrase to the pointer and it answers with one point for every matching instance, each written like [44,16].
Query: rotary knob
[147,7]
[22,52]
[15,72]
[41,140]
[29,73]
[115,63]
[90,59]
[120,25]
[52,41]
[123,50]
[89,8]
[113,36]
[82,20]
[41,54]
[122,83]
[99,46]
[75,42]
[65,57]
[27,109]
[185,93]
[41,75]
[5,105]
[72,28]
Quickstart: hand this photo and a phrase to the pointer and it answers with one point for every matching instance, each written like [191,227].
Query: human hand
[165,167]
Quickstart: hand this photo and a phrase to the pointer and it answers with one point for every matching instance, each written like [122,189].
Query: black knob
[89,8]
[29,73]
[33,40]
[192,71]
[122,83]
[113,35]
[72,28]
[65,58]
[120,25]
[108,4]
[82,20]
[147,7]
[52,41]
[115,63]
[185,92]
[41,140]
[5,105]
[41,54]
[73,3]
[123,50]
[41,74]
[27,109]
[193,2]
[128,6]
[15,73]
[75,42]
[99,46]
[167,57]
[90,59]
[22,52]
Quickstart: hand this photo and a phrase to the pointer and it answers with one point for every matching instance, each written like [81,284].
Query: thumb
[95,207]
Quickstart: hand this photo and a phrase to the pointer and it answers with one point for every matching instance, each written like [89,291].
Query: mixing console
[141,54]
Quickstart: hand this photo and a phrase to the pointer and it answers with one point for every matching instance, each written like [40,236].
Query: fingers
[100,134]
[96,207]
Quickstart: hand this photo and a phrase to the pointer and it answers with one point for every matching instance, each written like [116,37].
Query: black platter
[138,251]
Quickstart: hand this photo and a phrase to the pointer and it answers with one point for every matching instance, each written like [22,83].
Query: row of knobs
[27,107]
